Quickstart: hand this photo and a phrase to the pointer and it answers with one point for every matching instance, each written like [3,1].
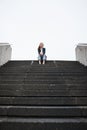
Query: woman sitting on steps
[41,53]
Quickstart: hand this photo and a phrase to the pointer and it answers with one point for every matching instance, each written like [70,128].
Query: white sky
[60,24]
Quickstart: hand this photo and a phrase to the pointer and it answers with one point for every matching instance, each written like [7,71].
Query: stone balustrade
[81,53]
[5,53]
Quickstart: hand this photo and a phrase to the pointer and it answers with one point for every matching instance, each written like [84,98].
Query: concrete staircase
[43,97]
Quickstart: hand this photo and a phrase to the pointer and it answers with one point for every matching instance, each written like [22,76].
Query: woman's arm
[39,50]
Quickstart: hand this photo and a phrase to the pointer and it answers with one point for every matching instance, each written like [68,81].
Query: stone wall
[81,53]
[5,53]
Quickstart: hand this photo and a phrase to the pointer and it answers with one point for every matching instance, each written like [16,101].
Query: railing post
[81,53]
[5,53]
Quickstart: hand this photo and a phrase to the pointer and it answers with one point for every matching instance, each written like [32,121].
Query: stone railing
[5,53]
[81,53]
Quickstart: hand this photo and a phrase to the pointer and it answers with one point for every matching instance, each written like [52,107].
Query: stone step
[57,70]
[43,81]
[58,74]
[67,83]
[12,77]
[43,67]
[56,66]
[43,111]
[35,63]
[57,80]
[43,123]
[44,73]
[57,62]
[35,87]
[44,101]
[13,74]
[40,92]
[62,68]
[13,71]
[19,67]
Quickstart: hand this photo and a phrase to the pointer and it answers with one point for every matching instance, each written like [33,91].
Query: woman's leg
[44,59]
[43,62]
[39,58]
[39,62]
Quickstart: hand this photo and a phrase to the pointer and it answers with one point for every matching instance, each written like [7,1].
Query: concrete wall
[81,53]
[5,53]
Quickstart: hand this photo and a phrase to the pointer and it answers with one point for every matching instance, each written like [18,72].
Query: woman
[41,53]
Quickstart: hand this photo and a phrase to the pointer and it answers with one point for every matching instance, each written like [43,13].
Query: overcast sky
[60,24]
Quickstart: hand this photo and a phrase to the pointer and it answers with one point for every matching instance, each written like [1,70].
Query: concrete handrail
[81,53]
[5,53]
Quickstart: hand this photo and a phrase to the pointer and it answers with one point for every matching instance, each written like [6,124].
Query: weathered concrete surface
[81,53]
[5,53]
[43,97]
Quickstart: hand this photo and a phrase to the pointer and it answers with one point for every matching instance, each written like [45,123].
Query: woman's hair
[41,45]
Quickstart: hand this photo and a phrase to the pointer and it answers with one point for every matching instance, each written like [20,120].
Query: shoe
[43,62]
[39,62]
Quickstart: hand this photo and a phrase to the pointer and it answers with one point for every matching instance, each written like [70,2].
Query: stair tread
[47,101]
[43,120]
[44,111]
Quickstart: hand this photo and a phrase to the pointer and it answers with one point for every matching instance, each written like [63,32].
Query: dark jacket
[44,50]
